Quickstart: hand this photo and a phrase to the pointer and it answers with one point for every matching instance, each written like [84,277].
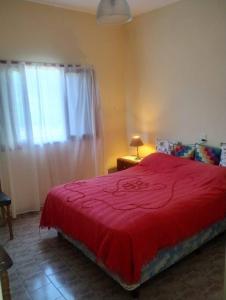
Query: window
[47,104]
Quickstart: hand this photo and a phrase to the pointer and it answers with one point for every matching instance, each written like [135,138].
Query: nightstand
[126,162]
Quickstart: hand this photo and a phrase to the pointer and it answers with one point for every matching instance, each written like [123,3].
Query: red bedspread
[127,217]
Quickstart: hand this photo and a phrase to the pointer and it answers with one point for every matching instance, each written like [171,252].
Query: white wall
[176,72]
[35,32]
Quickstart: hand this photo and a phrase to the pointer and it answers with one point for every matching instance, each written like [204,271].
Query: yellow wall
[35,32]
[176,72]
[174,57]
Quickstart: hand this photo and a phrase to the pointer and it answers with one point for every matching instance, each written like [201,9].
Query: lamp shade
[113,12]
[136,141]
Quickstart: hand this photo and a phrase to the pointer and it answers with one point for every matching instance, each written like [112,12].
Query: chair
[5,204]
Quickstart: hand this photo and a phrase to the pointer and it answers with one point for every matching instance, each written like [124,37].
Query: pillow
[186,151]
[164,146]
[207,154]
[223,155]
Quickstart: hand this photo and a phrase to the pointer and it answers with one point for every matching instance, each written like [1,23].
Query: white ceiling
[137,6]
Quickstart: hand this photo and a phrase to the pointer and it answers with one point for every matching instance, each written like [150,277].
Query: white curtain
[50,129]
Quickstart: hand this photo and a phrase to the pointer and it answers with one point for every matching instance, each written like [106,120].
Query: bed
[138,222]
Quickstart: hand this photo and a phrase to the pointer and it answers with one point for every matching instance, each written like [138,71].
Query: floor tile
[50,268]
[61,278]
[48,292]
[29,270]
[20,295]
[37,281]
[69,292]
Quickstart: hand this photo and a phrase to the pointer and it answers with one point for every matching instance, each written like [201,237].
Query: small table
[126,162]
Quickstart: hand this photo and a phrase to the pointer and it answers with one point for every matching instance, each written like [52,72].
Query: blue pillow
[186,151]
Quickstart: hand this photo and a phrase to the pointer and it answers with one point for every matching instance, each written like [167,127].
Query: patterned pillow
[207,154]
[223,155]
[186,151]
[164,146]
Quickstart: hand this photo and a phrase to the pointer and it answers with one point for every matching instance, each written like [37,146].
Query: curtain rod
[3,61]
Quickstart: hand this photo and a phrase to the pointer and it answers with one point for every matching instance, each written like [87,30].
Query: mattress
[127,218]
[164,259]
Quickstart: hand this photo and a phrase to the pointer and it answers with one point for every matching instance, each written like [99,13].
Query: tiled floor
[48,268]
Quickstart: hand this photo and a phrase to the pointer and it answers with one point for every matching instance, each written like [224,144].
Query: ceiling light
[113,12]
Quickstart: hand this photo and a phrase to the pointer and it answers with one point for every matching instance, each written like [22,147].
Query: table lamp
[136,142]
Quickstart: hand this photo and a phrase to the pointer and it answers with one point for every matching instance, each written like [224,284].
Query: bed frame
[163,260]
